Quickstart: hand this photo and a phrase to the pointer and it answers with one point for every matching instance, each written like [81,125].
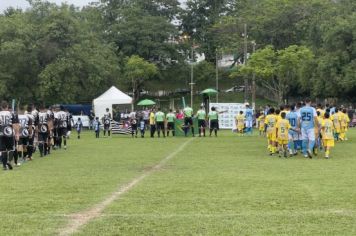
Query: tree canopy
[62,54]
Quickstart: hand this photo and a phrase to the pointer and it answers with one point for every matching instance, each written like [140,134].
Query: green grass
[216,186]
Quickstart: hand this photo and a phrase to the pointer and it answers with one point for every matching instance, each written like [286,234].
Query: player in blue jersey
[308,120]
[249,119]
[293,136]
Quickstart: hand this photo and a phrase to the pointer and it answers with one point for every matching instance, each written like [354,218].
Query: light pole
[217,75]
[253,80]
[245,63]
[192,76]
[186,37]
[133,95]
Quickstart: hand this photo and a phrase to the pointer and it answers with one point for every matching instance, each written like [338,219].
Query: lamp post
[245,63]
[217,75]
[186,37]
[253,80]
[192,76]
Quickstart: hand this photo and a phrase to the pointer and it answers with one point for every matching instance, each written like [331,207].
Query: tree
[143,28]
[51,54]
[137,72]
[199,19]
[278,70]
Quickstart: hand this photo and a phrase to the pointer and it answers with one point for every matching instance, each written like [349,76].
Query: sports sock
[304,146]
[311,145]
[40,147]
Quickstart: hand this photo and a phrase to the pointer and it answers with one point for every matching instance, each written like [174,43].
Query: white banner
[229,112]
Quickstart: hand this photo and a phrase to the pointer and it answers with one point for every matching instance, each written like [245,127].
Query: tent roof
[113,94]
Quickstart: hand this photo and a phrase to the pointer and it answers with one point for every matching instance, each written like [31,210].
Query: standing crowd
[24,131]
[303,127]
[162,124]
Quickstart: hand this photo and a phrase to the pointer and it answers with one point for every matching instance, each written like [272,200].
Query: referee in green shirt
[201,114]
[159,116]
[170,117]
[188,120]
[214,121]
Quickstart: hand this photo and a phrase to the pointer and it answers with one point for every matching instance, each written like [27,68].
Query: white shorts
[294,136]
[308,134]
[248,123]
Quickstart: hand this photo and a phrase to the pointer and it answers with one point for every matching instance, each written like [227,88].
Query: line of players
[21,134]
[158,121]
[303,127]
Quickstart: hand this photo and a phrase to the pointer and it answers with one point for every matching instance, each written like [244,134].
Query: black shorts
[160,125]
[188,121]
[107,127]
[62,132]
[6,143]
[201,123]
[134,126]
[24,141]
[214,124]
[42,137]
[170,125]
[55,132]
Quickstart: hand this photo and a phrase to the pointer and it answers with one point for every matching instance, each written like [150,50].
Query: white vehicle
[235,89]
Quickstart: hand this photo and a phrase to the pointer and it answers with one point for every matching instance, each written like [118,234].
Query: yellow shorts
[337,130]
[240,128]
[282,141]
[262,128]
[272,137]
[328,142]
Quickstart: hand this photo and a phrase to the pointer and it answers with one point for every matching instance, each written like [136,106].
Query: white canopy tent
[113,96]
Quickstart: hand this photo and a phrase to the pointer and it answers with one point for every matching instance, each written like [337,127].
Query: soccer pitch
[180,186]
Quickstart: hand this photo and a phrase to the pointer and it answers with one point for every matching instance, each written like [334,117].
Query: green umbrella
[209,91]
[146,102]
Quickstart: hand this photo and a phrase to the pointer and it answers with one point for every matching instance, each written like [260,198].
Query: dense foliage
[63,54]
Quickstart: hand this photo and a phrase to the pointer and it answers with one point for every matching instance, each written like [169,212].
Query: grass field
[212,186]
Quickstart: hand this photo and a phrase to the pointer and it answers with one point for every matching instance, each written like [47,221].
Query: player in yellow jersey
[345,120]
[261,123]
[336,119]
[270,122]
[318,141]
[327,129]
[282,130]
[240,123]
[320,110]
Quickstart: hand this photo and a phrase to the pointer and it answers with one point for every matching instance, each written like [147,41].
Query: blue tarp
[78,109]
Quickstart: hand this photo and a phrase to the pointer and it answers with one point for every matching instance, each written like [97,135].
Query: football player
[50,141]
[240,123]
[307,122]
[43,131]
[9,132]
[248,119]
[107,122]
[62,121]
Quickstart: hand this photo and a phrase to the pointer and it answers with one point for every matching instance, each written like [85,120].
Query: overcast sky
[24,4]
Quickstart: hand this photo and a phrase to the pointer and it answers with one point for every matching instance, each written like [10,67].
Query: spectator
[96,125]
[180,115]
[78,126]
[91,119]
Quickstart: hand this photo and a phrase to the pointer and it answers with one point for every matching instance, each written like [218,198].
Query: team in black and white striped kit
[24,131]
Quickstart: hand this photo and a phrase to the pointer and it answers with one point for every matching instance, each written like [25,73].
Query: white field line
[78,220]
[340,212]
